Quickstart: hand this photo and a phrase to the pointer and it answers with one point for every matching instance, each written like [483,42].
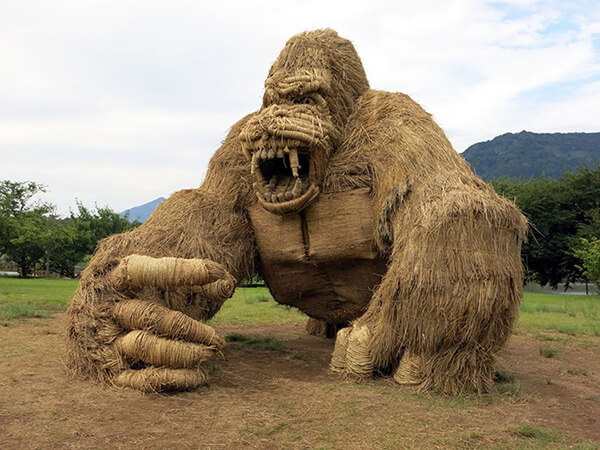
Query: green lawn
[569,314]
[40,297]
[255,306]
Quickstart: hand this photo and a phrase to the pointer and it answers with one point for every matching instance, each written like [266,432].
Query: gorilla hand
[161,348]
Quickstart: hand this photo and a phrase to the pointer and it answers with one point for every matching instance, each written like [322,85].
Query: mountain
[528,155]
[142,212]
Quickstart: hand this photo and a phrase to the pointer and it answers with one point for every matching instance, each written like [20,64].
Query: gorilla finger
[151,349]
[148,316]
[136,271]
[157,379]
[217,292]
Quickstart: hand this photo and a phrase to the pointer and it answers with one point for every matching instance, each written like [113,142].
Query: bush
[589,253]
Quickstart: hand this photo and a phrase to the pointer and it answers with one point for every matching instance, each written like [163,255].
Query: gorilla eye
[306,100]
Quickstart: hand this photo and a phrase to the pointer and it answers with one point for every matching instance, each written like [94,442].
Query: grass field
[33,297]
[567,314]
[21,299]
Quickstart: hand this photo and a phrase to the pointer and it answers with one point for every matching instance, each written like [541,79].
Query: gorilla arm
[447,302]
[190,246]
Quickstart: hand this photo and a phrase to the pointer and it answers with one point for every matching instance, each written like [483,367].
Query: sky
[116,103]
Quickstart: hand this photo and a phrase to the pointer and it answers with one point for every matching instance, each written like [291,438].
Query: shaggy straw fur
[183,227]
[394,233]
[454,278]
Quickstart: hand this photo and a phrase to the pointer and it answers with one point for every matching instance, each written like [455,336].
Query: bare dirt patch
[273,399]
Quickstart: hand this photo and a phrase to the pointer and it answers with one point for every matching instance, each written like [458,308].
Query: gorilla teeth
[288,189]
[279,187]
[298,188]
[294,161]
[254,167]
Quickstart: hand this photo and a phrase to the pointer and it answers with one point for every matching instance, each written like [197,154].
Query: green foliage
[66,248]
[24,230]
[16,197]
[504,376]
[589,252]
[93,225]
[27,246]
[578,371]
[561,213]
[32,235]
[11,311]
[77,236]
[528,155]
[506,383]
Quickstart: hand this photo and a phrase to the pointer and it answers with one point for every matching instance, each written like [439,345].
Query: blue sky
[120,102]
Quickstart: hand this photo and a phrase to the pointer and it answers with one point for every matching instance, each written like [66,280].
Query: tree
[65,248]
[15,197]
[27,247]
[23,226]
[77,236]
[589,252]
[561,212]
[31,233]
[93,225]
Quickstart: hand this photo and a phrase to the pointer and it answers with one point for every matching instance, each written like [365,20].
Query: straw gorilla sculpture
[353,206]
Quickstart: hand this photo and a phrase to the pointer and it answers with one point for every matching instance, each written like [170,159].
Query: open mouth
[282,173]
[283,178]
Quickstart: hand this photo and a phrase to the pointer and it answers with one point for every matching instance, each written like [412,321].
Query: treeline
[33,236]
[564,216]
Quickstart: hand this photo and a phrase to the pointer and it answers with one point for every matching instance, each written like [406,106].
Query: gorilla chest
[322,260]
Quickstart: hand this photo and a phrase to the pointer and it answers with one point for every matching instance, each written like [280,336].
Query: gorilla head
[309,94]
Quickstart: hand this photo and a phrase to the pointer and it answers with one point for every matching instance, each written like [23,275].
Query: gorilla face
[309,95]
[290,140]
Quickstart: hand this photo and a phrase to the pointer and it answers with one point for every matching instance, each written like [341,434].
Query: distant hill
[528,155]
[142,212]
